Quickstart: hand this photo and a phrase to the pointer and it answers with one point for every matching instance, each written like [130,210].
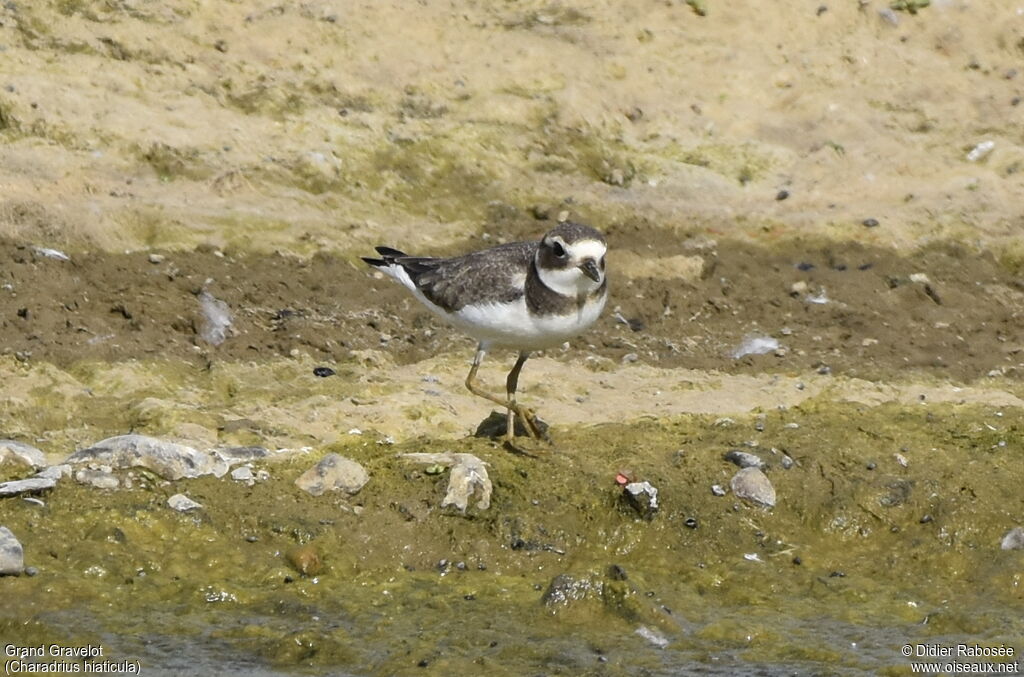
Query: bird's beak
[590,269]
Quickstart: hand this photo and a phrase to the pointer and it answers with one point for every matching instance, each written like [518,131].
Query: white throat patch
[571,281]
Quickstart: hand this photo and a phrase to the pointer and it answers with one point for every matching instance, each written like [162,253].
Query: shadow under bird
[525,296]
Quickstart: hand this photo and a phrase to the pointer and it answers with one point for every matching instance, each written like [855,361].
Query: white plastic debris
[52,253]
[821,298]
[653,636]
[216,319]
[756,345]
[980,151]
[468,476]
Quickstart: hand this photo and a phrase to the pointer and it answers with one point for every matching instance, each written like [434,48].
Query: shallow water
[835,579]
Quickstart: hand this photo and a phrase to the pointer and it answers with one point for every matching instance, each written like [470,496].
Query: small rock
[642,497]
[980,151]
[55,472]
[787,462]
[718,490]
[169,460]
[243,474]
[216,319]
[564,589]
[743,459]
[870,223]
[323,372]
[233,455]
[182,503]
[30,485]
[468,475]
[752,484]
[12,556]
[782,195]
[19,453]
[333,473]
[101,479]
[1014,539]
[305,559]
[156,258]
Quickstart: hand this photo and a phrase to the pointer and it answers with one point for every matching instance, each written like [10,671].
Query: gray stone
[12,556]
[468,476]
[19,453]
[167,459]
[751,484]
[243,474]
[101,479]
[1014,539]
[29,485]
[744,459]
[233,455]
[333,473]
[643,497]
[183,503]
[55,472]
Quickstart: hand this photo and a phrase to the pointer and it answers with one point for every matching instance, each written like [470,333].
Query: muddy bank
[678,300]
[888,517]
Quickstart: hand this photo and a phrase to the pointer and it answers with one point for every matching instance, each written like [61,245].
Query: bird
[524,296]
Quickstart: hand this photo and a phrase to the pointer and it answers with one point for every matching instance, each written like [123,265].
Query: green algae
[846,553]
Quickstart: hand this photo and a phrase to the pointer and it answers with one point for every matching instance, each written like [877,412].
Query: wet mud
[946,311]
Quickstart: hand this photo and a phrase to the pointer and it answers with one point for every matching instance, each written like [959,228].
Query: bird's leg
[511,383]
[471,379]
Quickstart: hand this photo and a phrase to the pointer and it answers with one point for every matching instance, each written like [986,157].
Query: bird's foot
[532,426]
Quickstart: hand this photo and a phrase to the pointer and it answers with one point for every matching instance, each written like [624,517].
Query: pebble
[787,462]
[980,151]
[12,451]
[782,195]
[32,484]
[468,476]
[55,472]
[752,484]
[744,459]
[216,319]
[156,258]
[870,223]
[233,455]
[243,474]
[333,473]
[718,490]
[99,478]
[643,497]
[1014,539]
[564,589]
[182,503]
[323,372]
[12,556]
[168,460]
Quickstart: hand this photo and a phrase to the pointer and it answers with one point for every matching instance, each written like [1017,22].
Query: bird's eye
[558,250]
